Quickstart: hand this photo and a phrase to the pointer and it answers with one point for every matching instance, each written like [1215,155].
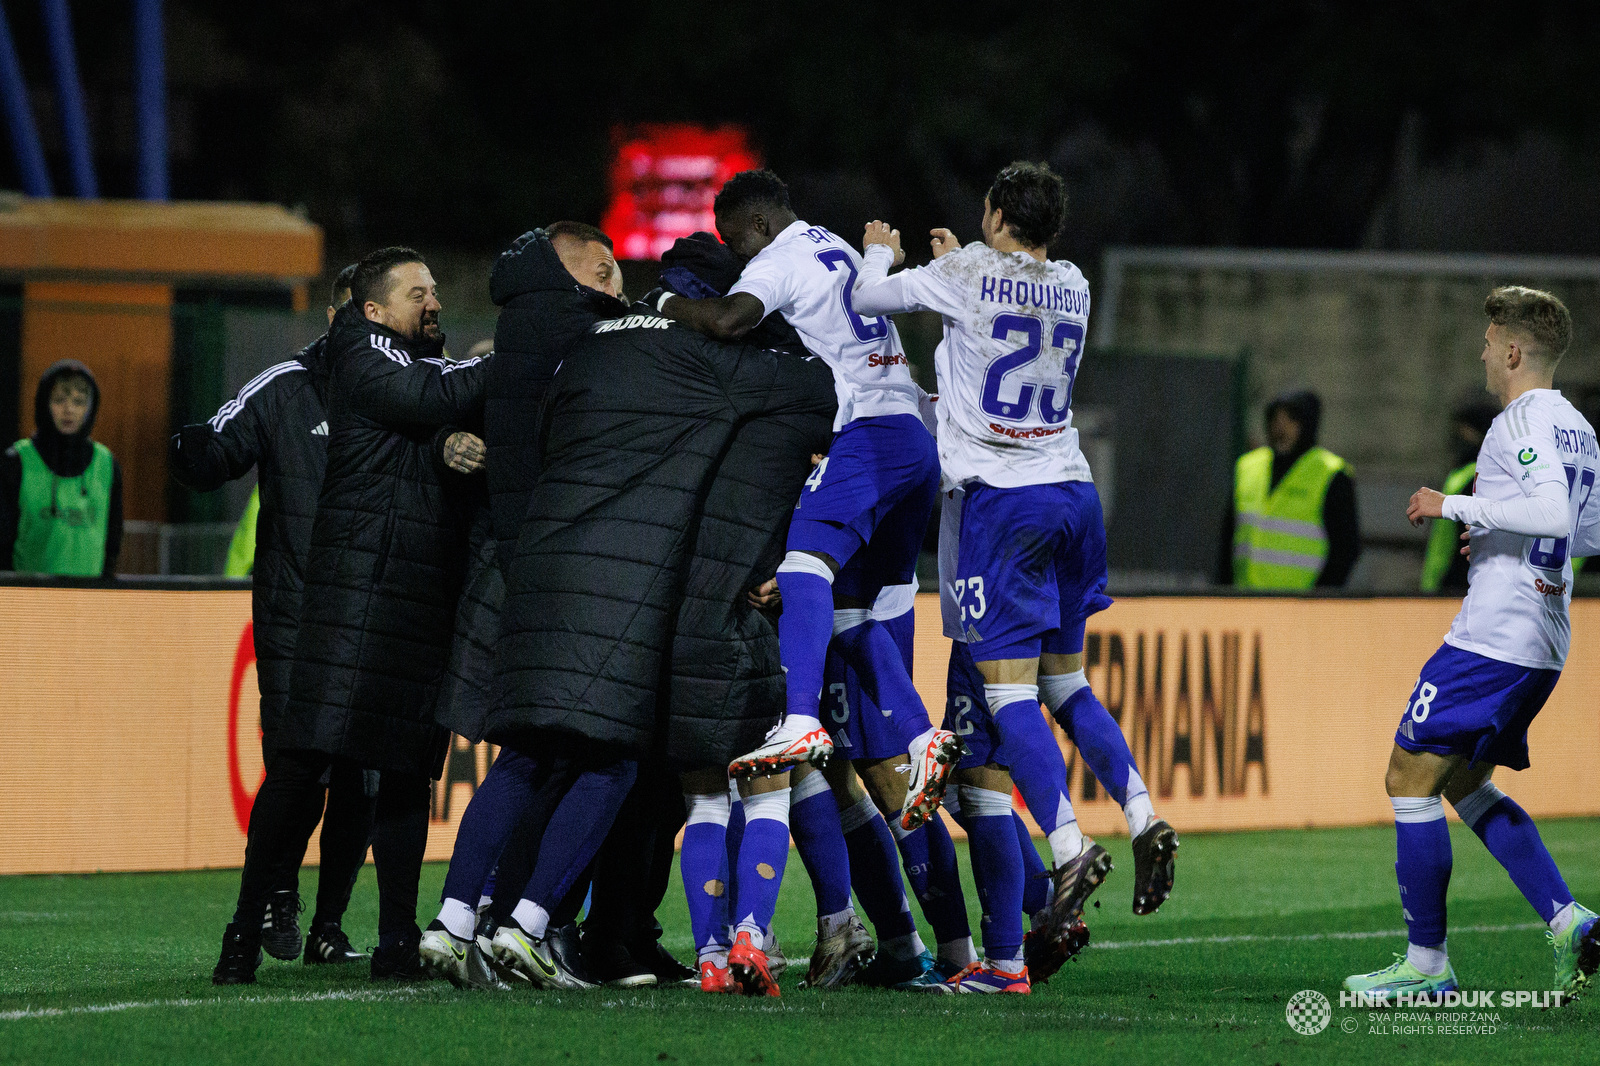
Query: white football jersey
[1519,587]
[1013,339]
[807,274]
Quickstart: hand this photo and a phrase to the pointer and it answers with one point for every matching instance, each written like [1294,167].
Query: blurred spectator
[60,490]
[242,548]
[1444,568]
[1293,521]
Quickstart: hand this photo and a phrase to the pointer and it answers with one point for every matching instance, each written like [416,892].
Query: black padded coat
[671,463]
[388,551]
[278,424]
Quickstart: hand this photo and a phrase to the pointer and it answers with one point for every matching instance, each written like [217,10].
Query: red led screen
[663,178]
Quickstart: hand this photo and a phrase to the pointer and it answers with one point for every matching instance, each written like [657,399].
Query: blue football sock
[1037,767]
[577,828]
[1098,739]
[1035,886]
[735,838]
[704,865]
[485,827]
[875,871]
[1422,866]
[804,629]
[1514,841]
[814,824]
[763,854]
[929,857]
[880,666]
[997,869]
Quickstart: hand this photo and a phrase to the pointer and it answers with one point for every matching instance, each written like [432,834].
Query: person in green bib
[60,490]
[1292,524]
[1444,568]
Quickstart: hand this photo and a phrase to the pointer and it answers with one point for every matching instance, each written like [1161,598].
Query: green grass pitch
[116,968]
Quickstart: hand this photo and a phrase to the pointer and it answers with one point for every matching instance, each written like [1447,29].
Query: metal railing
[165,548]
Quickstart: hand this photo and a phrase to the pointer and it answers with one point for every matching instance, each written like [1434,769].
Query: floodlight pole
[19,117]
[69,97]
[150,98]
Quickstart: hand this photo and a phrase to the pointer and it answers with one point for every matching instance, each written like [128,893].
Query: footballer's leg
[763,854]
[1415,781]
[704,865]
[1098,738]
[875,875]
[577,828]
[985,799]
[842,944]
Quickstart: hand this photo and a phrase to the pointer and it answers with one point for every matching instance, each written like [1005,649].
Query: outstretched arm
[918,289]
[725,318]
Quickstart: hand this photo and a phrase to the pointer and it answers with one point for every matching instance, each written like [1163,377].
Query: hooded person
[1292,524]
[669,463]
[61,490]
[384,567]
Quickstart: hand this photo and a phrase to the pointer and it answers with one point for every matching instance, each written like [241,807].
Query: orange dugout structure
[97,280]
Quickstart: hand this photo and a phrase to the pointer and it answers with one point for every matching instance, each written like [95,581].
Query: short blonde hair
[1537,315]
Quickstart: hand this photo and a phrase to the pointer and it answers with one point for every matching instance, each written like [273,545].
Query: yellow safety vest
[1278,538]
[1443,541]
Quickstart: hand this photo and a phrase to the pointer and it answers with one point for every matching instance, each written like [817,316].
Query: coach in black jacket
[388,548]
[278,425]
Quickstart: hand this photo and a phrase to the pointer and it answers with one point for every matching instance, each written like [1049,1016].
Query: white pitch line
[357,995]
[1244,938]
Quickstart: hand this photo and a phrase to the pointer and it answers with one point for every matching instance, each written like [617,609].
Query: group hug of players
[1022,557]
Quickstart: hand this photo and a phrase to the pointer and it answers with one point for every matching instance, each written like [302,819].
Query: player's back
[1519,587]
[1007,366]
[807,274]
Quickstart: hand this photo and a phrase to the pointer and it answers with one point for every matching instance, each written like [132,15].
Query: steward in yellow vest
[60,491]
[1293,522]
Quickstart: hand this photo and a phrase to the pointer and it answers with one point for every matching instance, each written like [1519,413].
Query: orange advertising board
[129,741]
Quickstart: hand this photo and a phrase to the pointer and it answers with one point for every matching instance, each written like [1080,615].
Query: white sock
[715,954]
[533,918]
[857,814]
[1563,919]
[1431,961]
[958,953]
[1056,689]
[459,918]
[919,747]
[773,805]
[483,904]
[904,947]
[1475,804]
[1004,965]
[748,925]
[1066,842]
[831,924]
[1138,810]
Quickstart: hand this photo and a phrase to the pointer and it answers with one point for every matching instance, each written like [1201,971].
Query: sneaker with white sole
[930,773]
[793,741]
[839,955]
[532,959]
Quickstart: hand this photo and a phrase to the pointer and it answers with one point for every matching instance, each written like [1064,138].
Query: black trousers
[286,811]
[346,834]
[626,896]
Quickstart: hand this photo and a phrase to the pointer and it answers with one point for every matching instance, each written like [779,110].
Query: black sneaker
[661,962]
[1073,884]
[609,963]
[566,946]
[399,963]
[280,926]
[328,944]
[241,954]
[1155,854]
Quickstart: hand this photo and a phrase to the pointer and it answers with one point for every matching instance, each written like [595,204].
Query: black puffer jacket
[388,551]
[543,310]
[278,424]
[638,499]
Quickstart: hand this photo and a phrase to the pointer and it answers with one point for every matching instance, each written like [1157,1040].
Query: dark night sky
[1462,125]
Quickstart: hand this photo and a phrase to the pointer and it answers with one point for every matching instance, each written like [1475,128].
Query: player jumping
[864,510]
[1529,513]
[1032,560]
